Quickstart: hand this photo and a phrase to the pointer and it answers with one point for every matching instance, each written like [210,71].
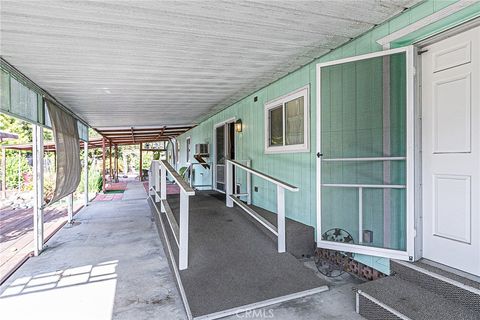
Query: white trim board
[437,16]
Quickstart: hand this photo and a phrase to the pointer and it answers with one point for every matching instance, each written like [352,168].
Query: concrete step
[396,298]
[450,285]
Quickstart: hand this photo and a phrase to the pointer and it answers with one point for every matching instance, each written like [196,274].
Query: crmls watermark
[256,314]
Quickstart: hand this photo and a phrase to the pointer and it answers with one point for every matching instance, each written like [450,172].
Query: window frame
[282,101]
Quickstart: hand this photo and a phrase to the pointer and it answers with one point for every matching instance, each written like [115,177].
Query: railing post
[150,180]
[163,185]
[360,215]
[70,208]
[157,181]
[249,184]
[229,182]
[281,218]
[183,250]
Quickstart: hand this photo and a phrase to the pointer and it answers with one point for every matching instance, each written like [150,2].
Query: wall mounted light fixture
[238,125]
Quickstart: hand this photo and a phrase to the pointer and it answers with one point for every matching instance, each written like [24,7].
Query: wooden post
[4,173]
[103,164]
[19,173]
[115,174]
[38,189]
[140,162]
[110,171]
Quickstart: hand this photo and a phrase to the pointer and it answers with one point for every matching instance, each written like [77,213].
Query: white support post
[70,208]
[360,215]
[85,173]
[249,184]
[157,180]
[229,182]
[281,218]
[150,181]
[38,189]
[183,250]
[163,185]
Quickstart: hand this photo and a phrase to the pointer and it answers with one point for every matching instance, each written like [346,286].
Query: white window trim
[409,253]
[302,92]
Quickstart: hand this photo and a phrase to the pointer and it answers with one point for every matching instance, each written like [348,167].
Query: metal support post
[38,189]
[85,173]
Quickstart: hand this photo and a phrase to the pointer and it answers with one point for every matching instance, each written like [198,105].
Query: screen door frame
[407,254]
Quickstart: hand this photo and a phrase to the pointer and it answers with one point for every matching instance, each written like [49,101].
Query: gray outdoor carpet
[231,262]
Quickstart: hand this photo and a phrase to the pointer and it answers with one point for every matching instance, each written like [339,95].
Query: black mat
[231,262]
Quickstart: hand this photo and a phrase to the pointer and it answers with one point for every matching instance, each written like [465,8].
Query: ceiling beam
[147,129]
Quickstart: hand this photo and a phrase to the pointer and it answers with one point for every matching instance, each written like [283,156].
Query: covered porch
[289,151]
[100,269]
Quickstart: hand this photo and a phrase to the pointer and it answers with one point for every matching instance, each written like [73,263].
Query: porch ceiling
[152,63]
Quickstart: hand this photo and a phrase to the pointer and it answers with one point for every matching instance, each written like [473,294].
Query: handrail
[178,179]
[266,177]
[232,198]
[158,181]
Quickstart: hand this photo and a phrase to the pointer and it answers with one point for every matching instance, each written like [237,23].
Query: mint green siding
[300,168]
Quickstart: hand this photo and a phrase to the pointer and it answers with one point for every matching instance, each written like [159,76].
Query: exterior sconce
[238,125]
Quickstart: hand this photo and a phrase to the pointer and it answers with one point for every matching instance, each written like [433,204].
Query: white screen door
[451,151]
[365,144]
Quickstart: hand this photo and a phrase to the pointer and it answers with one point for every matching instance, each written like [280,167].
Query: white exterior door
[451,151]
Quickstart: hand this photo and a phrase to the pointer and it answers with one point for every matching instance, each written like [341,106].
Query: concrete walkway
[111,265]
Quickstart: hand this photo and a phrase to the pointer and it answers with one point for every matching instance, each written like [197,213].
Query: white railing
[158,193]
[231,198]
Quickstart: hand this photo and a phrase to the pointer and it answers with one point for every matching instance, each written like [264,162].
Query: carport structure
[242,83]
